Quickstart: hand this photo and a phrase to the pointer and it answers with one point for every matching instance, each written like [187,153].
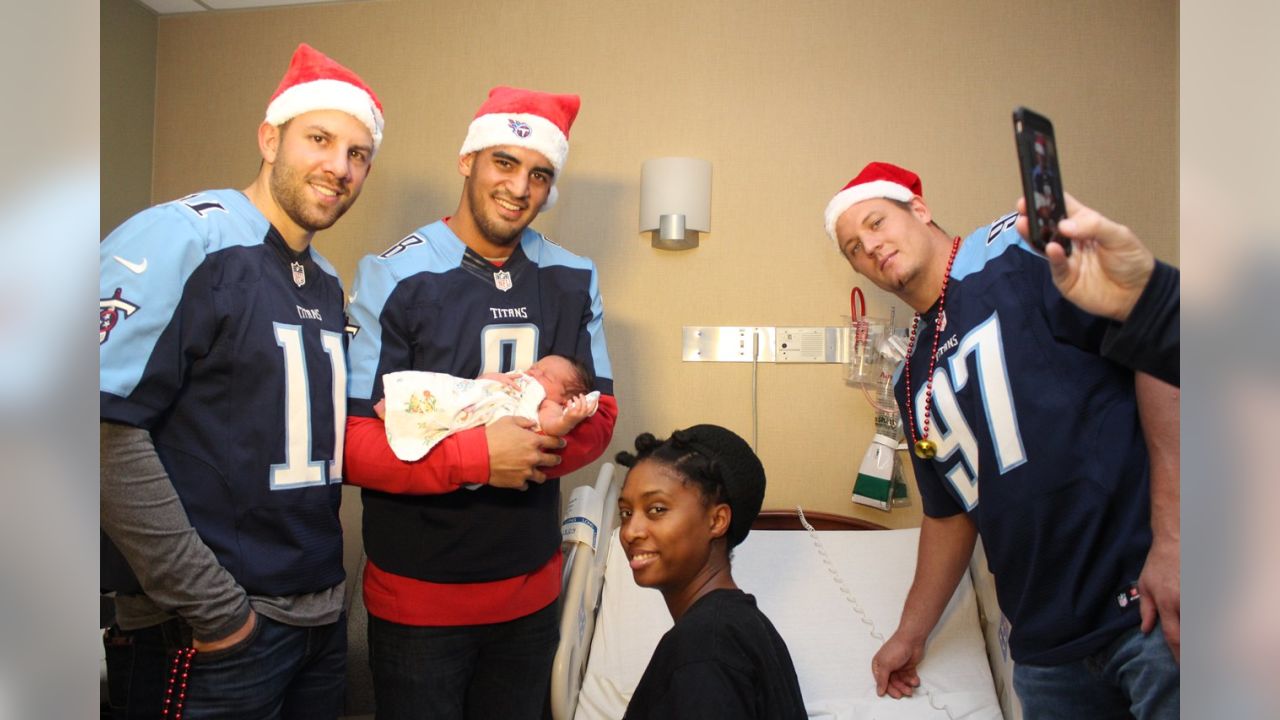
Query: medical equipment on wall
[876,347]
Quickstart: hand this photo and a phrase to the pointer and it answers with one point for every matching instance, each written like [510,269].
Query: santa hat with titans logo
[314,81]
[527,118]
[877,180]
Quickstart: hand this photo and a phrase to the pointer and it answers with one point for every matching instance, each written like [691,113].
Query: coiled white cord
[857,608]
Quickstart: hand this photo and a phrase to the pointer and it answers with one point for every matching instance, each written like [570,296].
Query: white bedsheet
[829,643]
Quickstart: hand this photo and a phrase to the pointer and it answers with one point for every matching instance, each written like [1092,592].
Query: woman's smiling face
[667,526]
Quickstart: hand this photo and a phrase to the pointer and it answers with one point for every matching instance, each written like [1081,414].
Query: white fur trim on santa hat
[327,95]
[849,197]
[522,129]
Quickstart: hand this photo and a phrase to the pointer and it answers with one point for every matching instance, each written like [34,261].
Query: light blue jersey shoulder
[154,252]
[144,265]
[195,225]
[987,243]
[545,252]
[432,248]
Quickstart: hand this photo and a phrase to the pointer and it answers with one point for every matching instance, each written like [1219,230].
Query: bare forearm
[142,514]
[946,544]
[1160,581]
[1158,408]
[588,441]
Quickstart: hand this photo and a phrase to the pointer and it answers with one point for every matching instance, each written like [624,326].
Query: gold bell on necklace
[926,449]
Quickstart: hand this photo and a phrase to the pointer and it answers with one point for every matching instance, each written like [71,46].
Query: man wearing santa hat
[223,409]
[463,546]
[1065,463]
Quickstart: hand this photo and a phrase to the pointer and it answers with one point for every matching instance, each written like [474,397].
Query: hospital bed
[833,595]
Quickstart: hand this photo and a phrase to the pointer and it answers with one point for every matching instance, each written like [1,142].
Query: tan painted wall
[128,66]
[788,100]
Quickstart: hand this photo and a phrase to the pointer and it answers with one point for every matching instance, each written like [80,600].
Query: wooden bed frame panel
[790,520]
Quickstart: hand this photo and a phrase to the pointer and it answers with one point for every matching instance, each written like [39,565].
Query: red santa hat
[527,118]
[877,180]
[314,81]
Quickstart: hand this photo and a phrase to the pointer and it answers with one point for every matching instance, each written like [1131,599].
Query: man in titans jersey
[223,407]
[461,583]
[1065,463]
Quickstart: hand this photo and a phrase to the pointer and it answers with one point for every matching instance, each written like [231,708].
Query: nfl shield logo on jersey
[299,275]
[502,280]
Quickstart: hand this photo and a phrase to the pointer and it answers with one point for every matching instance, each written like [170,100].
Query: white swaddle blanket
[424,408]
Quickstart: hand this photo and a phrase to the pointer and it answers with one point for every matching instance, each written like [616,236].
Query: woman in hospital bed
[686,503]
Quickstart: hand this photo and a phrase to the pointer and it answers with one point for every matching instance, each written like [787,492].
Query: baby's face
[555,374]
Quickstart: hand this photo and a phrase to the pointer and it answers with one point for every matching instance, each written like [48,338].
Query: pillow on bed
[829,643]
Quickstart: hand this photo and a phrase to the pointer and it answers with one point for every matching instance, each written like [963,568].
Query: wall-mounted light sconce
[675,201]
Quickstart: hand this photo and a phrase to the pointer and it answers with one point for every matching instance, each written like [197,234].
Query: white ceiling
[168,7]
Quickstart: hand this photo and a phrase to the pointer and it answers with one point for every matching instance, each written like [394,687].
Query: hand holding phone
[1041,178]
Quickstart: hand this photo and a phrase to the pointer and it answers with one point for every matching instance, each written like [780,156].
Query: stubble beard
[289,187]
[496,231]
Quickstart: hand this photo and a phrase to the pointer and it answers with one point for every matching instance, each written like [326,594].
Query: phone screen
[1041,178]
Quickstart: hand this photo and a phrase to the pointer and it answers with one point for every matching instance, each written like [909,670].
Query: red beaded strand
[181,658]
[924,448]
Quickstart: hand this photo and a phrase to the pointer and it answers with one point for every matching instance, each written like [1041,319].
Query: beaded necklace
[179,673]
[925,448]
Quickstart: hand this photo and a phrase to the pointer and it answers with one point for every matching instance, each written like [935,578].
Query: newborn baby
[422,408]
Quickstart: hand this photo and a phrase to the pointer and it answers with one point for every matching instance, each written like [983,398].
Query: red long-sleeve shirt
[457,460]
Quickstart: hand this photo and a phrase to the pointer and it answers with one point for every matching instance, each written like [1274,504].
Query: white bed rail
[580,590]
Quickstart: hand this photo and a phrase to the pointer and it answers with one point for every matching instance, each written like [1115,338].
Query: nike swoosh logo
[353,296]
[137,268]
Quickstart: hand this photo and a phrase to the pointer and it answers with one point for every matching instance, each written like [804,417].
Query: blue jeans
[279,671]
[467,672]
[1133,677]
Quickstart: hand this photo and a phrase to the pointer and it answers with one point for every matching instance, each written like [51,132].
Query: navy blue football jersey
[1039,441]
[229,348]
[430,303]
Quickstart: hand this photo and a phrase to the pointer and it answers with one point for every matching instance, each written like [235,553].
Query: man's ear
[721,515]
[268,142]
[921,210]
[465,163]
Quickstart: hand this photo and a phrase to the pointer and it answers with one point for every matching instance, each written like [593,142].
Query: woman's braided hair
[717,461]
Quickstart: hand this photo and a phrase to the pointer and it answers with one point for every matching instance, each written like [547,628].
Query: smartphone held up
[1041,178]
